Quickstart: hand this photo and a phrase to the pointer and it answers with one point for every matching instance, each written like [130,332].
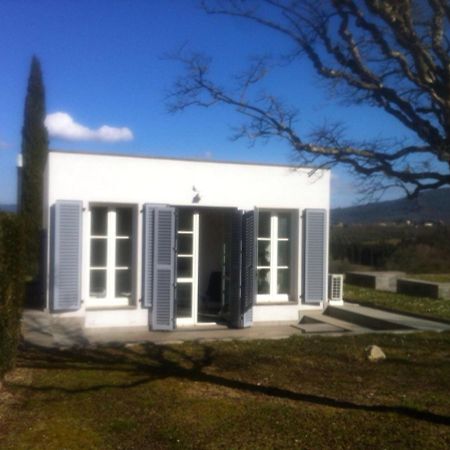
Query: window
[186,262]
[274,258]
[110,277]
[185,259]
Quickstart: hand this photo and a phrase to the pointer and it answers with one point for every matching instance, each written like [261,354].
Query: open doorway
[203,265]
[214,264]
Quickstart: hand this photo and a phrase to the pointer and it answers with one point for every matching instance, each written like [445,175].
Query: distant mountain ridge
[429,206]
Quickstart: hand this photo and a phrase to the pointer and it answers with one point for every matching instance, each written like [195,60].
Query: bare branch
[392,54]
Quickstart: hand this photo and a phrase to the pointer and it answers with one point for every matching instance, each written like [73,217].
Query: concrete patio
[42,329]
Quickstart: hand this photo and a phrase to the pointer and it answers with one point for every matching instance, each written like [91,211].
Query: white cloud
[61,125]
[3,145]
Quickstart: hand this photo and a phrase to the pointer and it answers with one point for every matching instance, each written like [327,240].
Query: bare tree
[390,54]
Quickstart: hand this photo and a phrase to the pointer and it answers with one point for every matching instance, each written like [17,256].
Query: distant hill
[429,206]
[8,208]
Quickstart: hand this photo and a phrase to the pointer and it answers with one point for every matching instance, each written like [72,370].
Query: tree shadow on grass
[155,362]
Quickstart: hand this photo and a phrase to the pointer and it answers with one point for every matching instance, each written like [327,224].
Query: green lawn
[427,307]
[438,277]
[311,393]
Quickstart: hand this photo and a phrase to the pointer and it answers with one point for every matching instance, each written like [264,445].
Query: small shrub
[11,288]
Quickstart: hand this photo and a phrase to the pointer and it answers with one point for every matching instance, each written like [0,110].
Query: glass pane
[124,221]
[123,283]
[284,225]
[98,252]
[263,253]
[99,216]
[263,281]
[185,220]
[283,281]
[184,267]
[184,299]
[264,225]
[123,252]
[98,283]
[283,253]
[184,244]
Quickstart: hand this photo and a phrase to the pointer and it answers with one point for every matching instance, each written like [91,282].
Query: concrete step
[338,325]
[401,320]
[366,318]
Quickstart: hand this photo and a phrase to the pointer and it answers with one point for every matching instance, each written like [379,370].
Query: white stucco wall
[124,179]
[137,180]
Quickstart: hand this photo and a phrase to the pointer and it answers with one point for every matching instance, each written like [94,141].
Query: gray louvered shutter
[235,269]
[248,292]
[315,270]
[243,269]
[65,264]
[147,255]
[163,309]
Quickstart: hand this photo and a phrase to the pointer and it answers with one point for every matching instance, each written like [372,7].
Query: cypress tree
[34,156]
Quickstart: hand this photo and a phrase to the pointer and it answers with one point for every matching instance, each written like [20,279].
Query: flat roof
[172,158]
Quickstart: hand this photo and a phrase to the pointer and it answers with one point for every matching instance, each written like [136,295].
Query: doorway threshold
[203,326]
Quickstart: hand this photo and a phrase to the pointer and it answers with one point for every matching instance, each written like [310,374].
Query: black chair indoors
[212,297]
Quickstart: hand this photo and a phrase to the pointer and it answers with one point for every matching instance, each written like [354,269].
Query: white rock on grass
[374,353]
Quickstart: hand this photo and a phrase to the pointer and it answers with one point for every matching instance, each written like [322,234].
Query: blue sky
[104,64]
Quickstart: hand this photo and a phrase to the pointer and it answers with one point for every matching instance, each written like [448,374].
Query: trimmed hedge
[11,288]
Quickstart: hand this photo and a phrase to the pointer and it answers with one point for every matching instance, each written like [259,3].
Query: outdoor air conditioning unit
[336,289]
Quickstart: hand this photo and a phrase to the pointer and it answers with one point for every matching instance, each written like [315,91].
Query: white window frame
[273,296]
[193,280]
[110,300]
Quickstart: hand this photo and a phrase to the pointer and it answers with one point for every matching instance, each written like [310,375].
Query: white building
[138,240]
